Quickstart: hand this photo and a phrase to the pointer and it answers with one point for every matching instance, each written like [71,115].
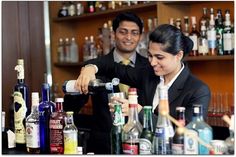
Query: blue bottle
[200,128]
[46,108]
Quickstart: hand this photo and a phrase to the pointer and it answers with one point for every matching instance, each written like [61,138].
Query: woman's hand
[86,74]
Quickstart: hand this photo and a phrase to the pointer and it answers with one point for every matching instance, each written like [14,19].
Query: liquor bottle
[204,18]
[60,51]
[116,130]
[146,138]
[21,106]
[186,26]
[94,86]
[92,48]
[74,51]
[211,34]
[71,9]
[219,32]
[56,126]
[132,130]
[232,38]
[202,41]
[164,132]
[227,35]
[229,141]
[105,39]
[70,133]
[46,108]
[178,23]
[63,12]
[178,139]
[199,128]
[86,53]
[194,35]
[67,50]
[32,126]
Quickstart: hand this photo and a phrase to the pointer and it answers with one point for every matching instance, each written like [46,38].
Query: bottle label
[32,135]
[227,38]
[145,146]
[190,143]
[206,136]
[19,115]
[20,73]
[203,49]
[56,136]
[195,41]
[177,148]
[70,142]
[160,132]
[118,118]
[131,148]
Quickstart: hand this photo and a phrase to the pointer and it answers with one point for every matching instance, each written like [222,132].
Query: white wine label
[32,135]
[227,38]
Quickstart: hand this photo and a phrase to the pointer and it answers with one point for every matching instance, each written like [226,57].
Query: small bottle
[178,139]
[164,132]
[116,130]
[71,9]
[178,24]
[211,34]
[56,126]
[132,130]
[80,9]
[67,50]
[74,51]
[86,53]
[32,127]
[227,35]
[146,138]
[219,32]
[70,133]
[194,35]
[199,128]
[63,12]
[202,41]
[92,48]
[21,106]
[60,51]
[186,26]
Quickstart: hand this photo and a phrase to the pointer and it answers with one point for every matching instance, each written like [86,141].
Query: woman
[167,48]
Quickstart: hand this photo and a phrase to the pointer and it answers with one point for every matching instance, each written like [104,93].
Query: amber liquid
[33,150]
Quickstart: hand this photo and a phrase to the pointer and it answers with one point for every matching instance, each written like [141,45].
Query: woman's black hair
[127,16]
[172,39]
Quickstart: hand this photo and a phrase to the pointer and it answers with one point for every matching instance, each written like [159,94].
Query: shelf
[209,58]
[68,64]
[142,7]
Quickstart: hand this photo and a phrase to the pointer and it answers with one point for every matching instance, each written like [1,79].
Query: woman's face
[163,63]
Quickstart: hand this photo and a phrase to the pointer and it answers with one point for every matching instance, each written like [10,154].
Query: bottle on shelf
[219,32]
[60,51]
[194,35]
[71,9]
[178,139]
[202,41]
[197,127]
[92,48]
[74,51]
[116,130]
[32,126]
[227,35]
[211,34]
[178,23]
[133,128]
[21,106]
[79,9]
[91,7]
[46,108]
[86,53]
[70,133]
[164,132]
[67,50]
[56,126]
[186,26]
[105,39]
[63,12]
[146,137]
[204,19]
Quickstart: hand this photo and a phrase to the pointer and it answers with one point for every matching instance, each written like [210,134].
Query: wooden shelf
[68,64]
[209,58]
[143,7]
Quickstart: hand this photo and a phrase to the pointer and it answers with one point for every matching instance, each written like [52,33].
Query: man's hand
[87,74]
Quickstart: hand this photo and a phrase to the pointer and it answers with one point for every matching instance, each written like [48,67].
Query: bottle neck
[21,81]
[70,120]
[59,107]
[181,118]
[133,113]
[45,92]
[147,120]
[197,117]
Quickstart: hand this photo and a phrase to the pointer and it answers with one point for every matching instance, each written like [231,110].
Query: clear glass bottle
[227,35]
[194,35]
[74,51]
[116,130]
[219,32]
[202,41]
[56,125]
[46,108]
[178,139]
[146,138]
[60,51]
[21,106]
[70,133]
[32,127]
[164,132]
[198,127]
[86,53]
[67,50]
[132,130]
[211,34]
[92,48]
[105,39]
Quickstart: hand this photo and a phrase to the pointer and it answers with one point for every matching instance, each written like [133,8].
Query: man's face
[127,37]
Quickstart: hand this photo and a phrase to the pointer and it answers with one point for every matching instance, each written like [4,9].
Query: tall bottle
[74,51]
[132,130]
[227,35]
[146,138]
[21,106]
[164,132]
[202,41]
[86,53]
[211,34]
[178,23]
[219,32]
[186,26]
[32,126]
[105,39]
[46,108]
[116,130]
[178,139]
[92,48]
[67,50]
[204,19]
[70,133]
[56,126]
[60,51]
[194,35]
[199,128]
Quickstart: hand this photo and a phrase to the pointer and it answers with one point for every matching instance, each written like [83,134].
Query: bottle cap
[132,91]
[180,108]
[20,61]
[69,112]
[59,99]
